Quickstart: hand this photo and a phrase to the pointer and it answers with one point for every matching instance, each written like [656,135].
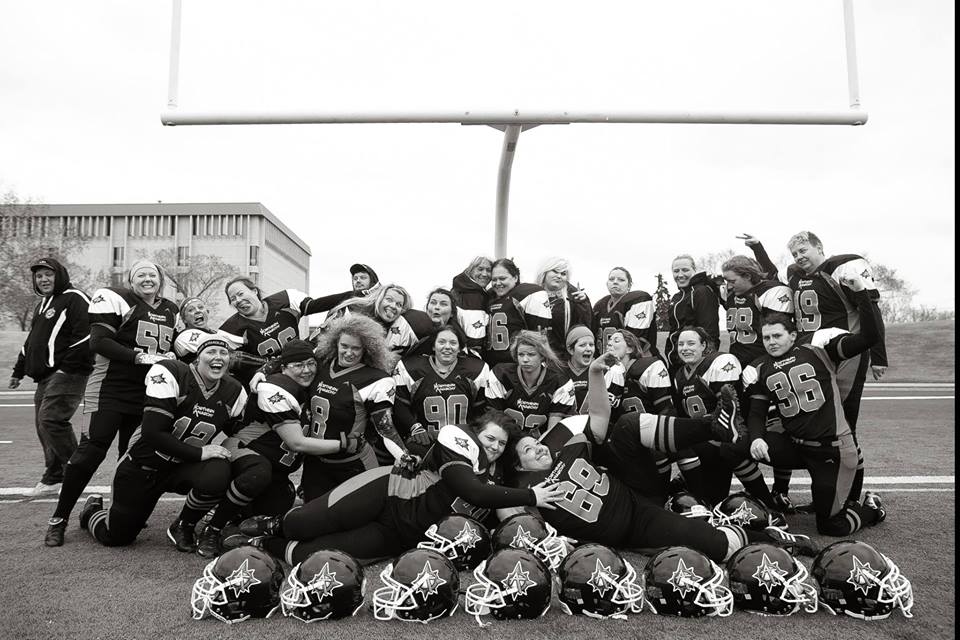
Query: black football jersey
[645,387]
[277,400]
[526,306]
[196,414]
[280,326]
[745,317]
[532,406]
[115,385]
[435,399]
[697,390]
[634,312]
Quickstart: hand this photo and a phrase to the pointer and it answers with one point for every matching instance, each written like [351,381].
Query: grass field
[83,590]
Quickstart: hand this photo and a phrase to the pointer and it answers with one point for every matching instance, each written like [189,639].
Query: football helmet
[464,540]
[744,510]
[861,582]
[683,582]
[767,580]
[510,584]
[529,531]
[420,586]
[326,586]
[688,505]
[242,583]
[597,581]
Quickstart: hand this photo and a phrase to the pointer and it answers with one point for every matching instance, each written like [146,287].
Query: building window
[116,279]
[183,256]
[254,256]
[118,257]
[255,276]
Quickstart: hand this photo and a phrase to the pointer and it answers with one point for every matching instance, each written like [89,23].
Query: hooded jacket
[59,337]
[697,305]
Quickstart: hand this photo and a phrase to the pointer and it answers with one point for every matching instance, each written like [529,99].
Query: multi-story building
[246,235]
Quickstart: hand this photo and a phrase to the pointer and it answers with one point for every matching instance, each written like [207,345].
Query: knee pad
[252,475]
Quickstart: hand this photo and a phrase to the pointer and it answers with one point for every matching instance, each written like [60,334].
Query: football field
[83,590]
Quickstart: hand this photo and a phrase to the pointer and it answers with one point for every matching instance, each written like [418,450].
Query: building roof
[160,209]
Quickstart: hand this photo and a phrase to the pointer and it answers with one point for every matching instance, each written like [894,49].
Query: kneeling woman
[385,511]
[186,406]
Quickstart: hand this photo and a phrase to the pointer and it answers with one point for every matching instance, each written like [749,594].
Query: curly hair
[539,342]
[368,331]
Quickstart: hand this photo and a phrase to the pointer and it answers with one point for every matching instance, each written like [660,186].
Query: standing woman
[130,329]
[532,389]
[471,288]
[514,307]
[696,304]
[750,297]
[402,326]
[351,395]
[569,305]
[633,311]
[261,326]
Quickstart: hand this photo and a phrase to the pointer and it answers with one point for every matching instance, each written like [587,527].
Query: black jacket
[60,320]
[696,305]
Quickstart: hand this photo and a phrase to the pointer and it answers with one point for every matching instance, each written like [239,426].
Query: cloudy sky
[83,86]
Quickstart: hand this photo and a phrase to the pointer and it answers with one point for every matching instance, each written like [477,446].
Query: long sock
[781,480]
[669,435]
[737,538]
[857,487]
[229,508]
[748,472]
[196,506]
[99,527]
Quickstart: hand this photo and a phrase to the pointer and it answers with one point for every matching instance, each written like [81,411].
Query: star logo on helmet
[468,537]
[743,514]
[242,578]
[158,379]
[518,581]
[728,367]
[428,581]
[684,579]
[769,574]
[862,576]
[462,443]
[324,582]
[275,398]
[523,539]
[602,579]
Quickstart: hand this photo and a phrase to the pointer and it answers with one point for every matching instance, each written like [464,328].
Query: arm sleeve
[383,422]
[465,484]
[103,343]
[18,368]
[851,344]
[319,305]
[769,269]
[757,418]
[156,433]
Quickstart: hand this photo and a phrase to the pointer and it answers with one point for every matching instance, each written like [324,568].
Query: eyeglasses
[301,366]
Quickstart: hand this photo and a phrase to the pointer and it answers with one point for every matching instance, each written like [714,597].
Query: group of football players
[506,406]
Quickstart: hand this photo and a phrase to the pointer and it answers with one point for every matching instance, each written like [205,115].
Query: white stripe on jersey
[822,336]
[474,322]
[161,383]
[656,376]
[275,399]
[779,298]
[537,304]
[107,301]
[724,368]
[381,390]
[457,440]
[857,270]
[639,315]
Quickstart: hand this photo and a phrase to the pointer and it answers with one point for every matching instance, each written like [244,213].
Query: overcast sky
[82,86]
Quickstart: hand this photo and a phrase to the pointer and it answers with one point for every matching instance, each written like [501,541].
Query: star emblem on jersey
[477,325]
[728,367]
[194,336]
[428,580]
[862,576]
[642,315]
[602,579]
[684,579]
[518,581]
[158,379]
[769,574]
[325,581]
[663,373]
[463,443]
[743,514]
[523,539]
[242,579]
[865,274]
[784,299]
[275,398]
[96,300]
[468,537]
[395,330]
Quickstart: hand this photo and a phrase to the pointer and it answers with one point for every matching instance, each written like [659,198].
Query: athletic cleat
[93,504]
[872,500]
[55,530]
[208,542]
[782,502]
[778,520]
[724,423]
[794,542]
[262,526]
[182,536]
[44,489]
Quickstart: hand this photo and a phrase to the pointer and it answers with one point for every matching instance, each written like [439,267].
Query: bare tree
[197,276]
[26,234]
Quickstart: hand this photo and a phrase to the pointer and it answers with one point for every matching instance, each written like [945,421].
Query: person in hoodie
[363,279]
[56,354]
[696,304]
[471,287]
[131,329]
[569,305]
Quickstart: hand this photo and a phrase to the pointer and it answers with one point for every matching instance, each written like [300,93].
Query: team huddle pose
[510,429]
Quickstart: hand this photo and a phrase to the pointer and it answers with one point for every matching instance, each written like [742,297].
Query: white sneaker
[43,489]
